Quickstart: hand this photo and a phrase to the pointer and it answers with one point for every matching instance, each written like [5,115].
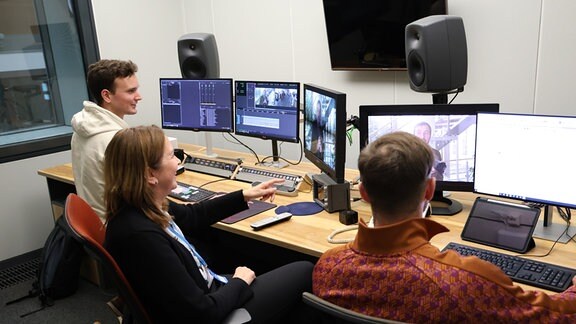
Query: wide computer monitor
[268,110]
[450,130]
[197,105]
[325,130]
[529,158]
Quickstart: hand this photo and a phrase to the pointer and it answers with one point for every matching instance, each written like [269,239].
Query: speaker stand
[440,98]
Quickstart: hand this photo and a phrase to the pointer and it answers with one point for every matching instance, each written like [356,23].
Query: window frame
[84,19]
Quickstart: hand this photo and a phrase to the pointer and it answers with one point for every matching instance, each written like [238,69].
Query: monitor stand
[276,163]
[547,230]
[210,153]
[443,206]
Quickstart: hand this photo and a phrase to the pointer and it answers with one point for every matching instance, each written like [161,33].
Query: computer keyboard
[211,167]
[255,175]
[534,273]
[190,193]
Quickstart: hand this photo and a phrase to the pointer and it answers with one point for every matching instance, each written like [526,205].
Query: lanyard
[177,234]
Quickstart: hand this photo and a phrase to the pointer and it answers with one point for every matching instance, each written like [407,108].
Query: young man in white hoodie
[114,86]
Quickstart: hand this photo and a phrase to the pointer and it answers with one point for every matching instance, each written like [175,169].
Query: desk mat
[254,207]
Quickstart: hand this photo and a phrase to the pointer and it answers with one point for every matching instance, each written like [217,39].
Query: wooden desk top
[308,234]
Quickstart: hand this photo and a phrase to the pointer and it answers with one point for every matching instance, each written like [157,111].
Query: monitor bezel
[425,109]
[229,129]
[294,139]
[338,172]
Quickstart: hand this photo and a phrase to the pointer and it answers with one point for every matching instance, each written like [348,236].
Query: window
[45,47]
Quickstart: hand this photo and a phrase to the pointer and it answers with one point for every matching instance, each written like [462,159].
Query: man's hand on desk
[264,191]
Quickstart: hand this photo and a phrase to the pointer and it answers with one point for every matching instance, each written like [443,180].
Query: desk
[307,234]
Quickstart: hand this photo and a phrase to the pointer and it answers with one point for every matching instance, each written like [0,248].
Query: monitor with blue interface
[529,158]
[197,104]
[450,130]
[268,110]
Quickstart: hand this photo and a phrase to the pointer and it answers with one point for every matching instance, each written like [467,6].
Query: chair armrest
[339,312]
[238,316]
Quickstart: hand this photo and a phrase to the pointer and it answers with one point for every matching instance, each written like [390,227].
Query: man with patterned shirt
[392,271]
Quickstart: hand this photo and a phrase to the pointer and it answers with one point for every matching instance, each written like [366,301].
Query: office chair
[89,230]
[335,314]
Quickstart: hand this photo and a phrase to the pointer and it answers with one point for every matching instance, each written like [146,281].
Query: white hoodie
[93,127]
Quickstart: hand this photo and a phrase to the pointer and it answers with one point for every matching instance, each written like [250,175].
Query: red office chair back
[90,231]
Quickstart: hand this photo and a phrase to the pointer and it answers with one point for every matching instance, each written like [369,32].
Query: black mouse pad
[303,208]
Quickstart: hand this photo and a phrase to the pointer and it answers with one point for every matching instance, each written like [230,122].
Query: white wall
[520,55]
[286,40]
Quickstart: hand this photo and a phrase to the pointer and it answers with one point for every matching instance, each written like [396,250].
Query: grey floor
[87,305]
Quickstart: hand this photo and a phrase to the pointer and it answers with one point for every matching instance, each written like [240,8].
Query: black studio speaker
[198,56]
[436,54]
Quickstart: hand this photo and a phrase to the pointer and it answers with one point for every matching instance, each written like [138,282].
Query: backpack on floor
[59,267]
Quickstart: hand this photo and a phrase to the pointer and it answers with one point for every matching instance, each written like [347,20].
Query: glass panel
[42,75]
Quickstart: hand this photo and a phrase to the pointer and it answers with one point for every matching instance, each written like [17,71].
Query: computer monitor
[325,130]
[449,129]
[529,158]
[268,110]
[197,105]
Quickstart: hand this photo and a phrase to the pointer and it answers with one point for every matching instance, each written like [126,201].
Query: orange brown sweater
[394,272]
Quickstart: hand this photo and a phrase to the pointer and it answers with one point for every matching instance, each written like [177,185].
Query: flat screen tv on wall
[369,34]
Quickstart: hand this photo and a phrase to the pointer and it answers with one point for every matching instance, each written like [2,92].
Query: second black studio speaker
[436,54]
[198,56]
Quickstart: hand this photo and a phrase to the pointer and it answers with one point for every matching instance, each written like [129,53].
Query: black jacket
[163,273]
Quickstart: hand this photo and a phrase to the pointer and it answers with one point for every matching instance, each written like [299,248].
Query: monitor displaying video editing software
[268,110]
[450,130]
[529,158]
[197,104]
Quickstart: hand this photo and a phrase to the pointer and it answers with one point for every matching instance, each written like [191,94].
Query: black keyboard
[211,167]
[534,273]
[190,193]
[255,175]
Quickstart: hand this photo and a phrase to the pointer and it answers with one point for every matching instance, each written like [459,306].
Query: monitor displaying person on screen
[325,130]
[197,104]
[450,130]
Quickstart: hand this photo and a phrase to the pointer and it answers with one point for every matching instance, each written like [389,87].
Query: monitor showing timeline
[450,130]
[197,104]
[268,110]
[526,157]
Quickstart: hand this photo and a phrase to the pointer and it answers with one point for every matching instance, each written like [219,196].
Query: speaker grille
[193,68]
[416,69]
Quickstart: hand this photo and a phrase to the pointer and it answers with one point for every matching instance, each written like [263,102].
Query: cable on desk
[213,181]
[551,248]
[246,146]
[299,160]
[348,228]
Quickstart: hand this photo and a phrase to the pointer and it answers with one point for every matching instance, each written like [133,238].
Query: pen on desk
[506,203]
